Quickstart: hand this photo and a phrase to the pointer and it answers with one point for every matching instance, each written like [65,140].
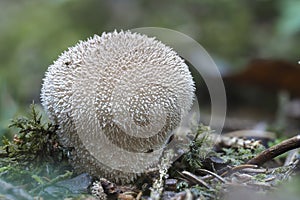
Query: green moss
[238,156]
[203,193]
[182,185]
[199,148]
[36,140]
[34,158]
[260,177]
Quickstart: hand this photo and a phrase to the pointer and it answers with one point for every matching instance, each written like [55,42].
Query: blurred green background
[33,33]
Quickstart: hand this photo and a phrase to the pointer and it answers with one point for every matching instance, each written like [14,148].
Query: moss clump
[35,142]
[199,148]
[34,157]
[238,156]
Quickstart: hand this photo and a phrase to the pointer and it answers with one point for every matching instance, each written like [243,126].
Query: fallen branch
[276,150]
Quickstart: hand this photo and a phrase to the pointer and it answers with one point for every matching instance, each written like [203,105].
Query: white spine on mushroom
[115,98]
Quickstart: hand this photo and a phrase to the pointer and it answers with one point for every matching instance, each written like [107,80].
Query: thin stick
[193,178]
[276,150]
[293,154]
[238,168]
[213,174]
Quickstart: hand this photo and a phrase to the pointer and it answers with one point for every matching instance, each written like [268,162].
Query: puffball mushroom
[124,88]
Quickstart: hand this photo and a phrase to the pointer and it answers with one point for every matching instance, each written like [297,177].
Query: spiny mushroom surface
[116,99]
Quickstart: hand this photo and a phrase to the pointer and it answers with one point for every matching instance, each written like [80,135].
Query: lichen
[239,156]
[158,185]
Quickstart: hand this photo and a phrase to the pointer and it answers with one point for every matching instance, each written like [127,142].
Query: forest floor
[33,165]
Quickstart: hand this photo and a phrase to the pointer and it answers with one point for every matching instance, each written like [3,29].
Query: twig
[193,178]
[256,171]
[238,168]
[139,196]
[53,181]
[292,167]
[213,174]
[276,150]
[293,154]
